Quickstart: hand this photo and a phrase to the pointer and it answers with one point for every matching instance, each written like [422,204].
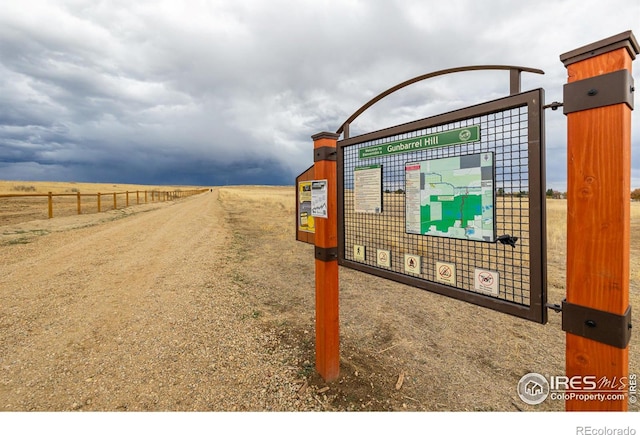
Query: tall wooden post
[326,261]
[598,101]
[50,205]
[79,204]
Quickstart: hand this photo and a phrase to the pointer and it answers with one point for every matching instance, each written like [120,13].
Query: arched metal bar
[514,86]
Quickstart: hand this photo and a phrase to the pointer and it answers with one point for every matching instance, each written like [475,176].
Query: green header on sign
[360,168]
[451,137]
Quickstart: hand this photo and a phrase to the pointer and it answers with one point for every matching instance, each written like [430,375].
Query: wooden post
[99,202]
[598,218]
[79,204]
[115,202]
[127,200]
[50,205]
[137,197]
[326,261]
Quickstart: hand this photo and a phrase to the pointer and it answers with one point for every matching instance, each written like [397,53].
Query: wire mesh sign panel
[452,204]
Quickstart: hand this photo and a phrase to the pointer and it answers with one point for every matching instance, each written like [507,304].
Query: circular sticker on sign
[411,263]
[384,258]
[465,135]
[487,281]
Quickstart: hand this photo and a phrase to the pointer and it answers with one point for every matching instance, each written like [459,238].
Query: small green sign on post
[451,137]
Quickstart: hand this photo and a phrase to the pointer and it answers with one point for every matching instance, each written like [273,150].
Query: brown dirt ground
[207,304]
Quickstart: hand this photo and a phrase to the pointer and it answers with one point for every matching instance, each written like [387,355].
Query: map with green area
[451,197]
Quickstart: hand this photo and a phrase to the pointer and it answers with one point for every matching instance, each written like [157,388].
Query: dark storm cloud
[186,86]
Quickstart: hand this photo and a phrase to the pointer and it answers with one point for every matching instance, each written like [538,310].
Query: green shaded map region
[452,197]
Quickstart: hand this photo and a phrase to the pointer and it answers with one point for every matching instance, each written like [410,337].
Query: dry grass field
[402,349]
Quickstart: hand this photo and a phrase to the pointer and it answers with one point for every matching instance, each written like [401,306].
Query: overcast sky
[229,92]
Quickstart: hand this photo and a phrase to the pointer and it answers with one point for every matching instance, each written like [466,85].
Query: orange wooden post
[50,205]
[326,261]
[99,202]
[137,197]
[596,103]
[127,200]
[79,204]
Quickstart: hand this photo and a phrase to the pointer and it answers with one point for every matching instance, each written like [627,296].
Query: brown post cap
[625,39]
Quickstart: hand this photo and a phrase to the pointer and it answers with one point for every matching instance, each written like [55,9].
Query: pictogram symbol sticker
[384,258]
[487,281]
[412,263]
[446,273]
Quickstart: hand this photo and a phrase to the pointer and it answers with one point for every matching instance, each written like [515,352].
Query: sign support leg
[326,263]
[598,218]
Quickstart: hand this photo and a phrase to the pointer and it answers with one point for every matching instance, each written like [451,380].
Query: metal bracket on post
[599,91]
[609,328]
[324,153]
[326,254]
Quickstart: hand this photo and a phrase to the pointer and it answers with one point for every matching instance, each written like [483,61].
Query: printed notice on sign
[305,220]
[368,189]
[319,198]
[452,197]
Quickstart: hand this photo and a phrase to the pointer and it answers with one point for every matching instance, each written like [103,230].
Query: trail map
[451,197]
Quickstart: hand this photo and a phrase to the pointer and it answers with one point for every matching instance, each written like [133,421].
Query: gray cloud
[159,92]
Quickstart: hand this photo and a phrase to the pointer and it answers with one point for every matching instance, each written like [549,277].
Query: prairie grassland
[557,248]
[12,187]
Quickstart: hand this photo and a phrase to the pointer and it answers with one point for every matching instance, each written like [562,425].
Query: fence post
[79,204]
[115,204]
[326,261]
[50,205]
[127,200]
[137,197]
[99,202]
[597,101]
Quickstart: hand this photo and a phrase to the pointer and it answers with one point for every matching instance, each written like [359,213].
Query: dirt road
[133,314]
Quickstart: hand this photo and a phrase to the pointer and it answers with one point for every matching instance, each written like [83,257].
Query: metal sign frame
[536,309]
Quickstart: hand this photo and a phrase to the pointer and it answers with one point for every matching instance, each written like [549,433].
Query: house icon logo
[533,388]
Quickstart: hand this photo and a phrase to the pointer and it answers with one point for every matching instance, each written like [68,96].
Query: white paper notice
[368,189]
[412,197]
[319,198]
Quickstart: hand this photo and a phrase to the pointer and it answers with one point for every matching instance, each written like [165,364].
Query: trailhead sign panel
[452,204]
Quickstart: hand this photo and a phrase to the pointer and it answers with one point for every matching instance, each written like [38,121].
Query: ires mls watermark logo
[534,388]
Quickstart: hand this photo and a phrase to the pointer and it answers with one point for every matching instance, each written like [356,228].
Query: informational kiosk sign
[460,209]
